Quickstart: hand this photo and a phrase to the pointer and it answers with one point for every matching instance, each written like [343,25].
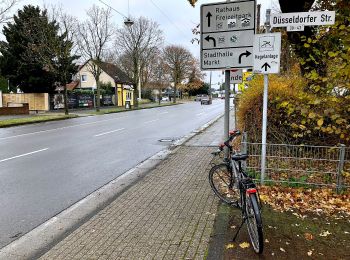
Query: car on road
[206,100]
[199,97]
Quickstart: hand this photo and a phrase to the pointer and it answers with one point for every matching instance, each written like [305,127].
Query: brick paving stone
[168,214]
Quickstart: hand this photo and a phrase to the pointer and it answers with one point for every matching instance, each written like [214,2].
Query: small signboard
[236,76]
[295,28]
[267,53]
[304,18]
[227,34]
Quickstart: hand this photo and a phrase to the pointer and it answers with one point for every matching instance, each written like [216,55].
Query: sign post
[227,34]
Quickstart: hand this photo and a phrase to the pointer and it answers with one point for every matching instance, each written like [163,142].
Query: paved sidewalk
[169,214]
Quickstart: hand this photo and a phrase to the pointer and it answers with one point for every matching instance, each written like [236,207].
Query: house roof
[115,72]
[72,85]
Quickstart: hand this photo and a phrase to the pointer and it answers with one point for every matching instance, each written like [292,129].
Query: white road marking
[60,128]
[200,114]
[147,122]
[38,151]
[109,132]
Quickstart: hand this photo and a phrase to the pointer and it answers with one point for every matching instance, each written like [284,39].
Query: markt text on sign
[305,19]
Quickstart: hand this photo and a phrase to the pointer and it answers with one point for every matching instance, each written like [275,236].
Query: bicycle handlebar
[232,135]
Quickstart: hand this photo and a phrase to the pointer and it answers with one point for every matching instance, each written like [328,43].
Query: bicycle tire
[254,222]
[226,190]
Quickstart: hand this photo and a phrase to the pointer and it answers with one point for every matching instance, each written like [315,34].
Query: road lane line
[21,155]
[147,122]
[60,128]
[109,132]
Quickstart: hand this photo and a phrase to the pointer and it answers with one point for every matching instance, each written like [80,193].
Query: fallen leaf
[308,236]
[267,241]
[229,246]
[244,245]
[346,232]
[233,227]
[282,249]
[287,243]
[309,253]
[325,234]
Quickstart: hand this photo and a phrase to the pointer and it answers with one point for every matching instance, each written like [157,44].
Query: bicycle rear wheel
[223,184]
[254,222]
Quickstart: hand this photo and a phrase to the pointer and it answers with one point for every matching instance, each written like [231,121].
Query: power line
[167,17]
[113,9]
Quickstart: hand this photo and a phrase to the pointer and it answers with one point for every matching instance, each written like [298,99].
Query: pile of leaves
[303,202]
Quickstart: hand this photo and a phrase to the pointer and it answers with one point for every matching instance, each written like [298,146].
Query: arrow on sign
[208,38]
[246,53]
[208,16]
[265,66]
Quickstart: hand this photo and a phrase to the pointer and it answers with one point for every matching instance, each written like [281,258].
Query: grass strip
[33,120]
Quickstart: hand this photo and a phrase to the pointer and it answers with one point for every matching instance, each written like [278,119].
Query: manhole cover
[166,140]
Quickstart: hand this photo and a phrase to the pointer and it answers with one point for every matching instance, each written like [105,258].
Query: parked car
[206,100]
[165,98]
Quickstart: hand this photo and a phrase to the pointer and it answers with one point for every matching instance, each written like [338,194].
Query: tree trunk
[98,103]
[66,112]
[174,100]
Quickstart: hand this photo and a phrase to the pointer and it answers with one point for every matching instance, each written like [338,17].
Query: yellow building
[112,74]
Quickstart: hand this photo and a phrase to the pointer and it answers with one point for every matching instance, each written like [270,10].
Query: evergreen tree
[21,60]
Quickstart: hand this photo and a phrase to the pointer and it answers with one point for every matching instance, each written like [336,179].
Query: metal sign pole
[264,123]
[227,108]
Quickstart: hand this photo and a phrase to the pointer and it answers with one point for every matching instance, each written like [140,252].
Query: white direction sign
[305,18]
[236,76]
[267,53]
[227,35]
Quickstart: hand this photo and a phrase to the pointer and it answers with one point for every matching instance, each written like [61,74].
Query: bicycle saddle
[239,157]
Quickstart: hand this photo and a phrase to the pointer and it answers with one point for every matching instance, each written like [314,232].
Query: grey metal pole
[264,123]
[227,108]
[340,168]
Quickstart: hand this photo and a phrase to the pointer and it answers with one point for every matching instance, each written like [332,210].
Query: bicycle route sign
[227,35]
[267,53]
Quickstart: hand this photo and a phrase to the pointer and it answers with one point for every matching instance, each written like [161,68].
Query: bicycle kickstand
[239,228]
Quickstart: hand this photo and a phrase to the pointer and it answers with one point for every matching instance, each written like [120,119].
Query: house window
[83,78]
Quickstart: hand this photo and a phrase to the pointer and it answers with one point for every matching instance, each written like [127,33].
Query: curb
[42,238]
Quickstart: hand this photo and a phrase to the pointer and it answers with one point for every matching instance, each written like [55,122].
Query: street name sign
[236,76]
[267,53]
[304,18]
[227,35]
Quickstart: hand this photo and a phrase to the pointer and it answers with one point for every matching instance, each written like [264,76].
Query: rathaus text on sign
[305,18]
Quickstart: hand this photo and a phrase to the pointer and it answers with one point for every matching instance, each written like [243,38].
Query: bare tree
[66,53]
[178,63]
[139,42]
[5,8]
[93,39]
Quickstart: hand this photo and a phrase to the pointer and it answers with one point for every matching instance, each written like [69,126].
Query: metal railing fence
[300,165]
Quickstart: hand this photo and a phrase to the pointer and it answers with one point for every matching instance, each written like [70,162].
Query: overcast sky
[175,17]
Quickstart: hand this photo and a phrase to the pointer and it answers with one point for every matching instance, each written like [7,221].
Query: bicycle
[234,187]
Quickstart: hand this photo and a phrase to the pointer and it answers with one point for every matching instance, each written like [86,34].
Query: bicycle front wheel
[223,184]
[254,222]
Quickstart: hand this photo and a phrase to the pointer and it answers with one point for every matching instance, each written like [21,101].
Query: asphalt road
[45,168]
